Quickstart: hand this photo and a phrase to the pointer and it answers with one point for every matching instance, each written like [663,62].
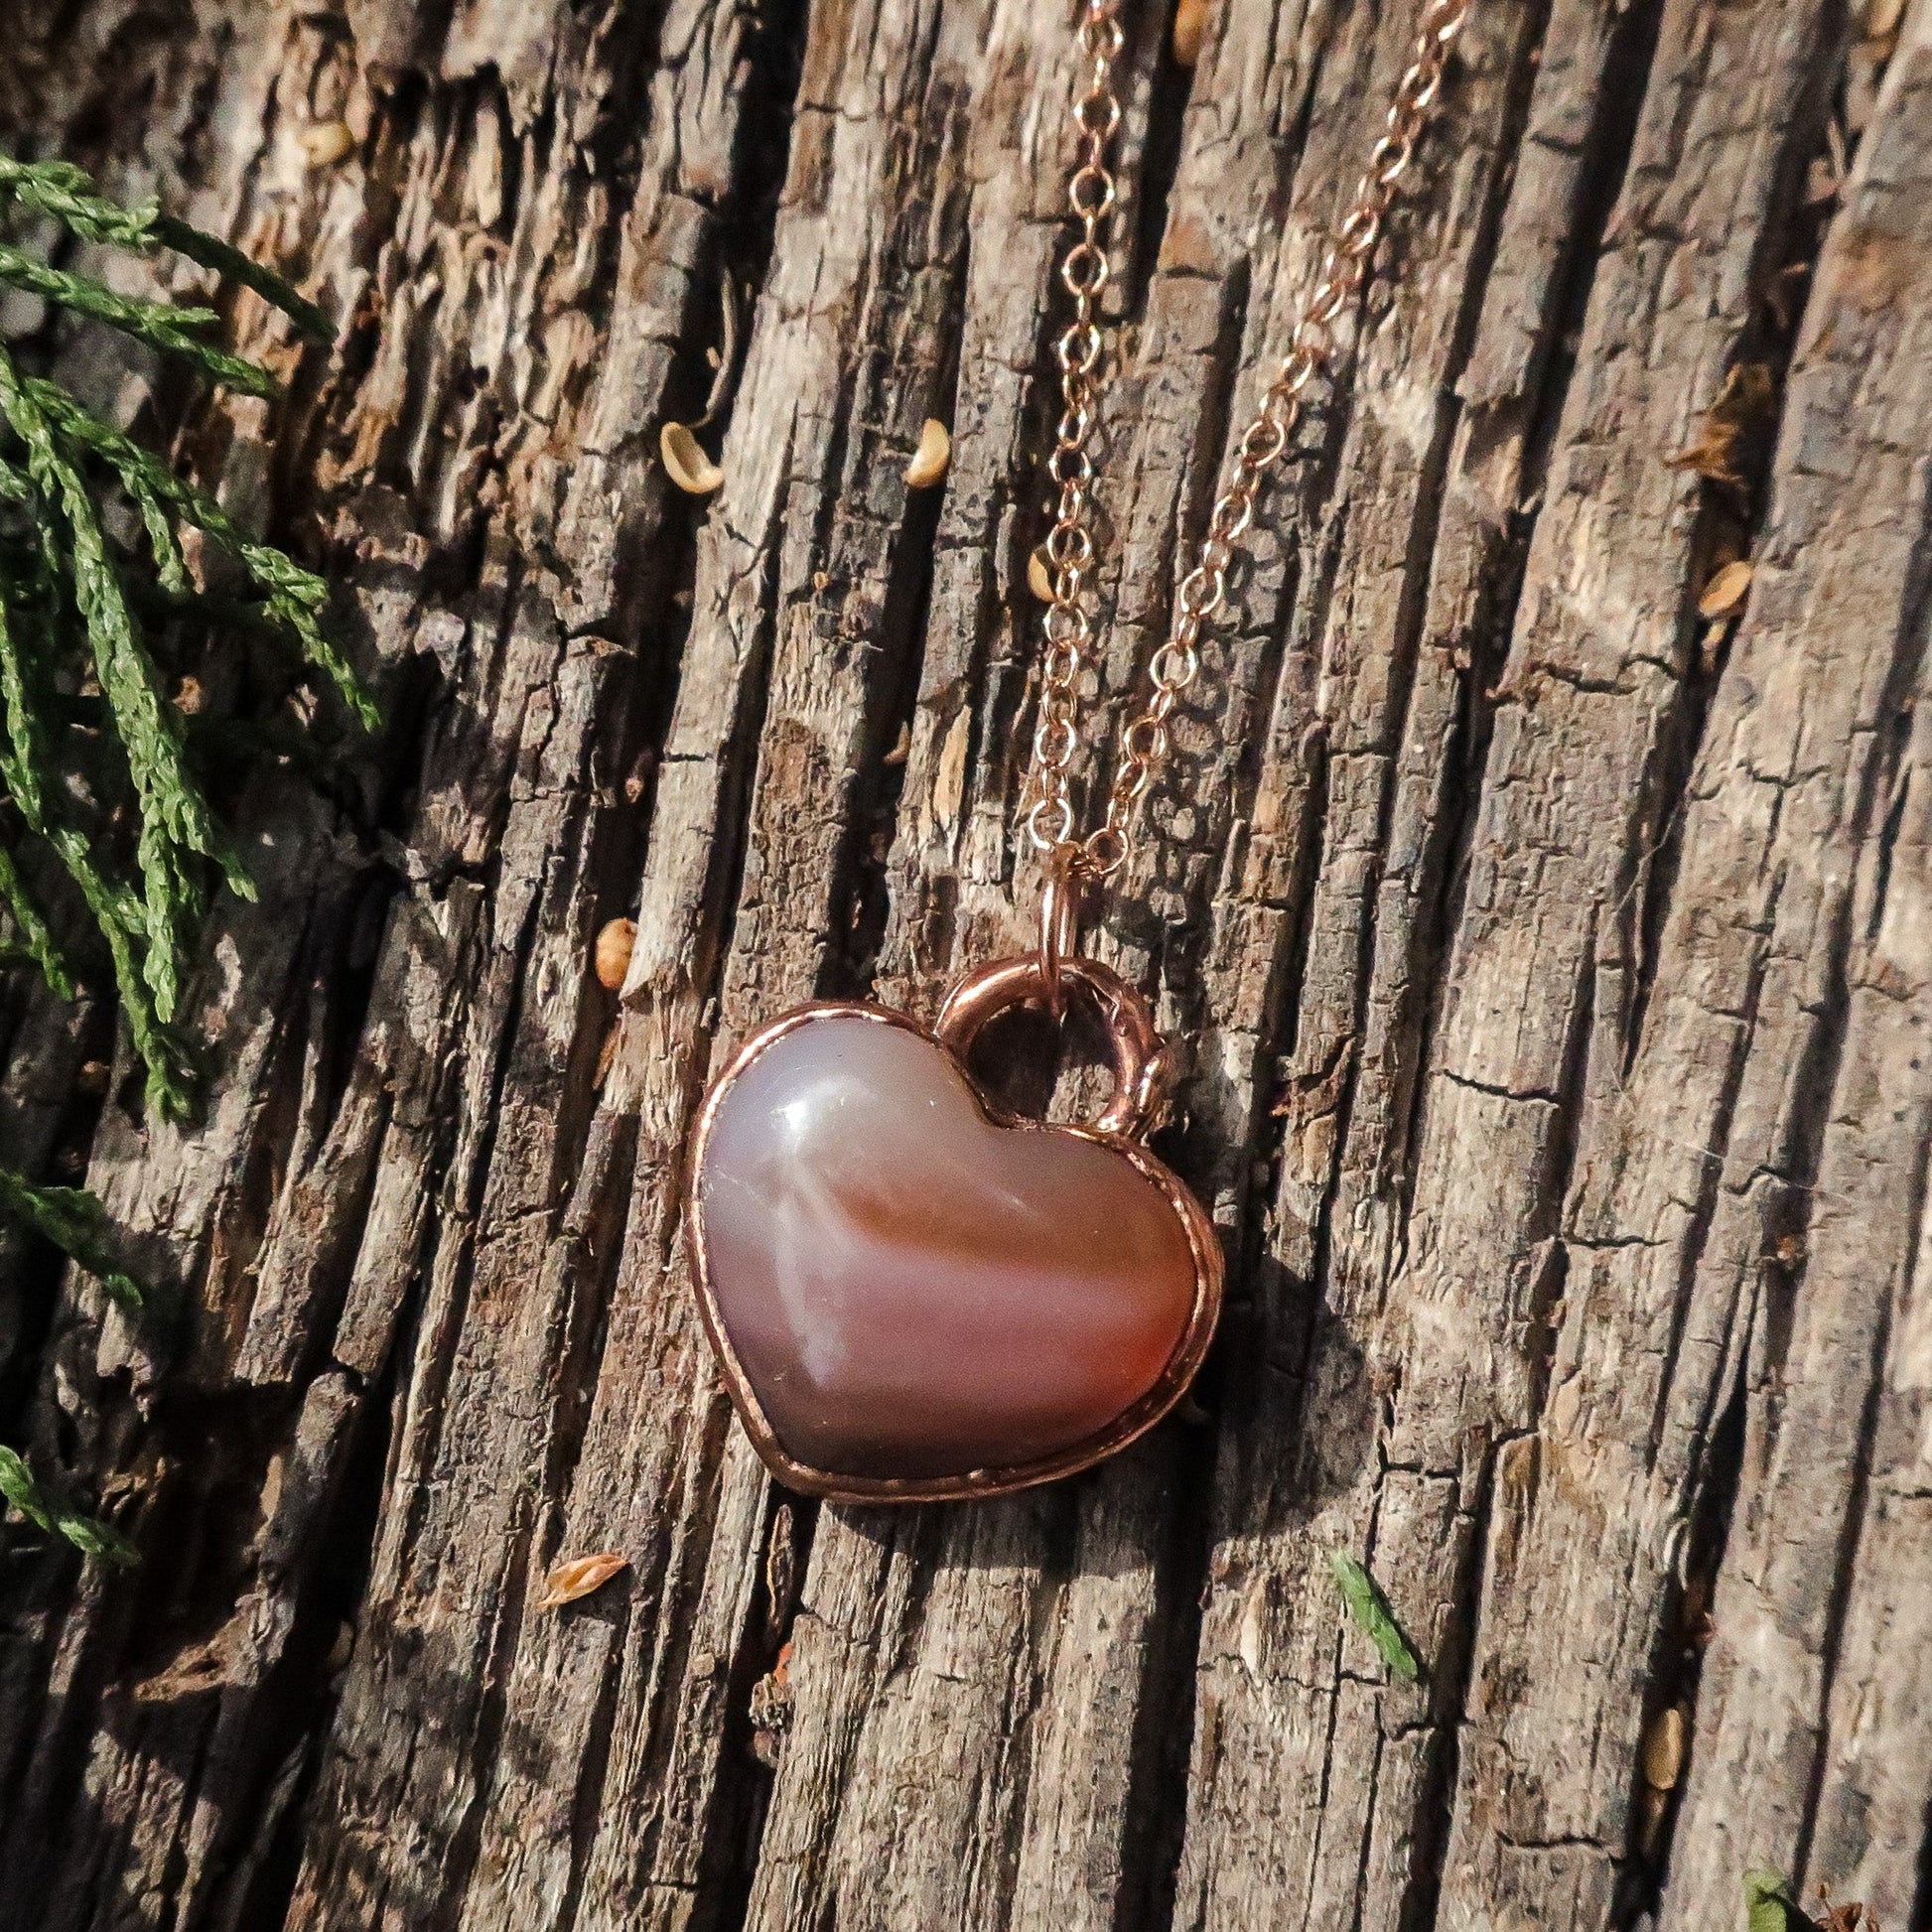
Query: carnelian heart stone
[911,1290]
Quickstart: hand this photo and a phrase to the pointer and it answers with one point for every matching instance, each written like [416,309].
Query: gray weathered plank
[1554,976]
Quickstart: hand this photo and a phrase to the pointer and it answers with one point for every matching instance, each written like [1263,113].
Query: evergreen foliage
[98,771]
[89,741]
[76,1222]
[88,1534]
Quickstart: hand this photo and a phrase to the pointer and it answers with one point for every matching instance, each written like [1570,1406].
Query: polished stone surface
[912,1291]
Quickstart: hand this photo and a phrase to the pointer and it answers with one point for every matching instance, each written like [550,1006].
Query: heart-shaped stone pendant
[914,1296]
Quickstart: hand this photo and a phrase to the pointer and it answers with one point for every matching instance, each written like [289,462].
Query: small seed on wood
[1650,1819]
[685,461]
[578,1576]
[1724,595]
[930,459]
[613,948]
[1039,579]
[1189,30]
[1662,1757]
[327,143]
[340,1651]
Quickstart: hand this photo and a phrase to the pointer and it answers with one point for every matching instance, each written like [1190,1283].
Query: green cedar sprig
[77,1223]
[161,324]
[61,191]
[1769,1906]
[77,610]
[1370,1609]
[88,1534]
[291,596]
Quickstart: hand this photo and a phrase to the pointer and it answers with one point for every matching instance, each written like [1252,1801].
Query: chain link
[1069,544]
[1145,741]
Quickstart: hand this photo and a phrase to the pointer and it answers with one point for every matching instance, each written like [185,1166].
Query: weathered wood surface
[1558,969]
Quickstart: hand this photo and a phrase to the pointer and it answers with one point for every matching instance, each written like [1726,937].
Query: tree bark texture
[1556,964]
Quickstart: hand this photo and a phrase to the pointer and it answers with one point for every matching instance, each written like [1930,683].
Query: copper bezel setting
[1133,1422]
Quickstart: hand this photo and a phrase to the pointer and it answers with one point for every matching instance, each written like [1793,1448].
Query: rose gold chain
[1069,544]
[1145,739]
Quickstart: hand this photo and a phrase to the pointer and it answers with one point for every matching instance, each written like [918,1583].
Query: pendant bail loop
[1059,922]
[1143,1069]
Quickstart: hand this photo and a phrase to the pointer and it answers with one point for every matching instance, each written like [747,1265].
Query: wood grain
[1553,967]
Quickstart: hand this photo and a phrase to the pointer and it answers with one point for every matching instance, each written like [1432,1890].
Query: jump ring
[1059,923]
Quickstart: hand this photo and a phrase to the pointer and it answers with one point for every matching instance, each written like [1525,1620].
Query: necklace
[911,1295]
